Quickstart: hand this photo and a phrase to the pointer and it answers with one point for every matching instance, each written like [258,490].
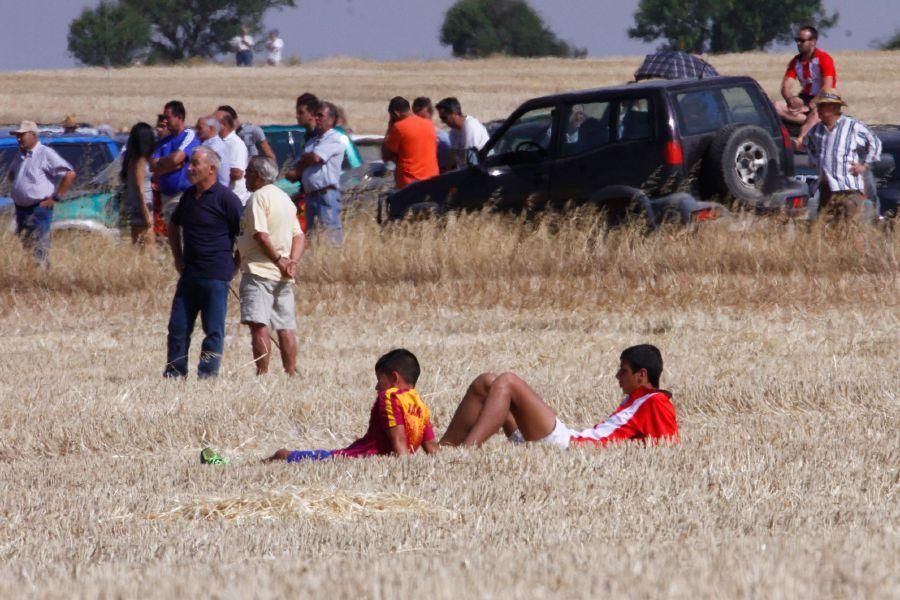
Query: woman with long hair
[136,177]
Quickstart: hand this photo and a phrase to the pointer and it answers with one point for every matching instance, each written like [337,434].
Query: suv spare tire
[739,160]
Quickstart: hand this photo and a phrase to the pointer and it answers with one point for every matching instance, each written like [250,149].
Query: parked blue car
[93,202]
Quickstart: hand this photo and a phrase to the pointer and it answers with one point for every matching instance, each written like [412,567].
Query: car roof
[268,128]
[650,84]
[54,140]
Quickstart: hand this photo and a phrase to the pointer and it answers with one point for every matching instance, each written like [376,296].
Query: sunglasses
[802,40]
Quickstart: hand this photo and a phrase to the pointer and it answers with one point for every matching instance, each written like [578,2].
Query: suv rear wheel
[739,158]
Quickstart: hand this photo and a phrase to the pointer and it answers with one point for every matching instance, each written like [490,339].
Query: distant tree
[110,35]
[719,26]
[186,28]
[476,28]
[893,43]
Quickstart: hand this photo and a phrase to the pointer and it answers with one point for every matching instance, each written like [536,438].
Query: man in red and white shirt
[494,401]
[813,69]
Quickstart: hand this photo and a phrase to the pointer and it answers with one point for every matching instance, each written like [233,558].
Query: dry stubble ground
[781,349]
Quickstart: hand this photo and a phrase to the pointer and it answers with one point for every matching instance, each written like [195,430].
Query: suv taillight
[673,154]
[796,202]
[786,138]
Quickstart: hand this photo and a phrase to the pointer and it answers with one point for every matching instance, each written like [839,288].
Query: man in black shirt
[205,224]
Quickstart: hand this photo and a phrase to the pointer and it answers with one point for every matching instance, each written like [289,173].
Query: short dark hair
[309,101]
[401,360]
[332,109]
[450,105]
[645,356]
[177,108]
[813,32]
[229,110]
[398,104]
[422,102]
[227,119]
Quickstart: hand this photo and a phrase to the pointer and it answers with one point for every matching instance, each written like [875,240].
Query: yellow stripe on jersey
[415,414]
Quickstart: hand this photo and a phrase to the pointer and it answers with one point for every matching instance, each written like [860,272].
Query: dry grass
[488,89]
[780,345]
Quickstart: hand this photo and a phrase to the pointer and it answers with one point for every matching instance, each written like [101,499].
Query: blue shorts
[298,455]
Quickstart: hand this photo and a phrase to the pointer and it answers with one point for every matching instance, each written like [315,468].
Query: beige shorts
[169,204]
[559,437]
[268,302]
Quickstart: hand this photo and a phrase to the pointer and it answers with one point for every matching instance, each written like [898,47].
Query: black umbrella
[674,64]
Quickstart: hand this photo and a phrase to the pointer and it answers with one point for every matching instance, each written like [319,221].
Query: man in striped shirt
[505,401]
[842,149]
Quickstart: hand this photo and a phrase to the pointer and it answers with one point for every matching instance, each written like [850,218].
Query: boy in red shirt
[400,422]
[505,401]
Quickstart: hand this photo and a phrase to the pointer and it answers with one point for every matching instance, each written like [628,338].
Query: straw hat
[70,121]
[828,96]
[26,127]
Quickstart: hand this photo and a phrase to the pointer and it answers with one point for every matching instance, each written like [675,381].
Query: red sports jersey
[393,408]
[644,414]
[811,73]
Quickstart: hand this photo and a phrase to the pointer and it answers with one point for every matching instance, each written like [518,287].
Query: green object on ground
[208,456]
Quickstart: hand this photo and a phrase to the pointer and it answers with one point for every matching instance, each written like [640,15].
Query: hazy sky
[34,32]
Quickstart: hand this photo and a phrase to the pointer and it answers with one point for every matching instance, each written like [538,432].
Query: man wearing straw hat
[842,149]
[39,178]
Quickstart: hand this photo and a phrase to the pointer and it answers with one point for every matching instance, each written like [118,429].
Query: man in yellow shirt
[269,247]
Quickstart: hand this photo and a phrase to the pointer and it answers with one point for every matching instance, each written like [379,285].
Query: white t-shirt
[237,153]
[472,135]
[274,50]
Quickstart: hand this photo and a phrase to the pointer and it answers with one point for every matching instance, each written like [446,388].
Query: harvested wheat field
[782,346]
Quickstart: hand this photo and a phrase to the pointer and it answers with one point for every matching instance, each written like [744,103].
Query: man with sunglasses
[320,172]
[813,69]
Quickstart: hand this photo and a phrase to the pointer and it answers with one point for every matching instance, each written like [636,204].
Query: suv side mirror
[472,157]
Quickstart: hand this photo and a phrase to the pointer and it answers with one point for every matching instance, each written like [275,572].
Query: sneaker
[208,456]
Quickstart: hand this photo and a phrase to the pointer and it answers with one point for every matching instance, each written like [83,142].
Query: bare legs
[262,348]
[493,402]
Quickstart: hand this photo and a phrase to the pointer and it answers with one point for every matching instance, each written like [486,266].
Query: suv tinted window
[280,141]
[743,107]
[634,120]
[699,111]
[530,133]
[587,127]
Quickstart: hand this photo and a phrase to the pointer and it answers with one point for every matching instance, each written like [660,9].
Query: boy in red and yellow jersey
[399,423]
[505,401]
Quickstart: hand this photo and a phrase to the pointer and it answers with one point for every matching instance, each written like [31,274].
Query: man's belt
[321,190]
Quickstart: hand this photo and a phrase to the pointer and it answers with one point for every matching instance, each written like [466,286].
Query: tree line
[117,32]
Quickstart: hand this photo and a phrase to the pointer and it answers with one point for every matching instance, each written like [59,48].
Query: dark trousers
[33,226]
[209,297]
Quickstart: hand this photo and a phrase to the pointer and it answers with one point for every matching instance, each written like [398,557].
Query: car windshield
[88,159]
[530,133]
[280,141]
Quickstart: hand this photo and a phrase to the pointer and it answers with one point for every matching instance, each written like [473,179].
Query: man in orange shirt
[411,143]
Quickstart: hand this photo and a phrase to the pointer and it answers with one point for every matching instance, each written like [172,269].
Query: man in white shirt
[465,131]
[208,129]
[273,48]
[243,45]
[237,155]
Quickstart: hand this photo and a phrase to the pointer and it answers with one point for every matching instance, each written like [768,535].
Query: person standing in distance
[320,171]
[411,143]
[171,158]
[202,233]
[39,178]
[465,131]
[269,248]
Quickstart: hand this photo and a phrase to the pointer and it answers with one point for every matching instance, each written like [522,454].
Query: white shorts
[267,302]
[559,437]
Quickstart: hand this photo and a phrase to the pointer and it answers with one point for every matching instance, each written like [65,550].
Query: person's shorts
[559,437]
[169,203]
[268,302]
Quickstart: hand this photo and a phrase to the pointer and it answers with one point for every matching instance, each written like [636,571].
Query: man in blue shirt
[203,229]
[171,158]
